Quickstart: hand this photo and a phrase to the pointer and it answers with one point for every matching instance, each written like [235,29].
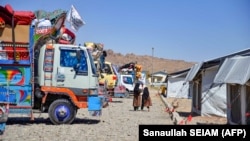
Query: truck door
[127,81]
[72,70]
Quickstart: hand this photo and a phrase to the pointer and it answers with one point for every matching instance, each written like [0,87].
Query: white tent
[213,97]
[235,72]
[209,98]
[177,86]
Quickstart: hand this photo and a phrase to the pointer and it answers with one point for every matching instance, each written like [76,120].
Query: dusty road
[119,122]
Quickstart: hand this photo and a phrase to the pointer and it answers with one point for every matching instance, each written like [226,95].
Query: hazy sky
[190,30]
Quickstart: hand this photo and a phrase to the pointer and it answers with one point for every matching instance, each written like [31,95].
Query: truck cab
[108,77]
[73,67]
[127,81]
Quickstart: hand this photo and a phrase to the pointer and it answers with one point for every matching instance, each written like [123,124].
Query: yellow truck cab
[109,75]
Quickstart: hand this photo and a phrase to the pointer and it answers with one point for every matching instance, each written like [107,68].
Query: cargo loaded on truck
[43,70]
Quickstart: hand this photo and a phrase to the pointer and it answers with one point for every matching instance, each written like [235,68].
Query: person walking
[146,99]
[137,96]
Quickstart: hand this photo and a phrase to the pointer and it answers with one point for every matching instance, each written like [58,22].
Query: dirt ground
[183,108]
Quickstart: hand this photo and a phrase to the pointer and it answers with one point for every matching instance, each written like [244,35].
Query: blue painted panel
[19,95]
[94,103]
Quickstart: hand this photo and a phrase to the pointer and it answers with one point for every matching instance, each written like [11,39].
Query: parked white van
[127,81]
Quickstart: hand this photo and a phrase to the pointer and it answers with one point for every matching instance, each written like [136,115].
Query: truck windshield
[68,58]
[93,67]
[127,80]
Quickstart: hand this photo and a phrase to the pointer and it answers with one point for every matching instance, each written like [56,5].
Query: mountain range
[148,63]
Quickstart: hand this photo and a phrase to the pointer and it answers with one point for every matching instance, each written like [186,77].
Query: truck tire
[62,111]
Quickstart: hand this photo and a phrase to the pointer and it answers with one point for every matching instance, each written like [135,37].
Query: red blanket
[20,17]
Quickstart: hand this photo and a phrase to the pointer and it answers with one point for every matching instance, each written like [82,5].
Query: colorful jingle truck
[41,69]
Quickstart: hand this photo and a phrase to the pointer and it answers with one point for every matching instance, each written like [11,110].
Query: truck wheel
[62,111]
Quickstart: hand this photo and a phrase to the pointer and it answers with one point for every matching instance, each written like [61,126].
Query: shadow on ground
[186,114]
[46,121]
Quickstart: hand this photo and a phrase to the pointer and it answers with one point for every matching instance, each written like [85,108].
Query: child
[146,99]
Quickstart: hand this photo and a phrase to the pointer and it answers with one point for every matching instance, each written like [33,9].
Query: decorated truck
[42,68]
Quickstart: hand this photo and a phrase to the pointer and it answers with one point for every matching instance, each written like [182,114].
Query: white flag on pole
[74,19]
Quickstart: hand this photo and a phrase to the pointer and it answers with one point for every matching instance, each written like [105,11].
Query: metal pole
[152,65]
